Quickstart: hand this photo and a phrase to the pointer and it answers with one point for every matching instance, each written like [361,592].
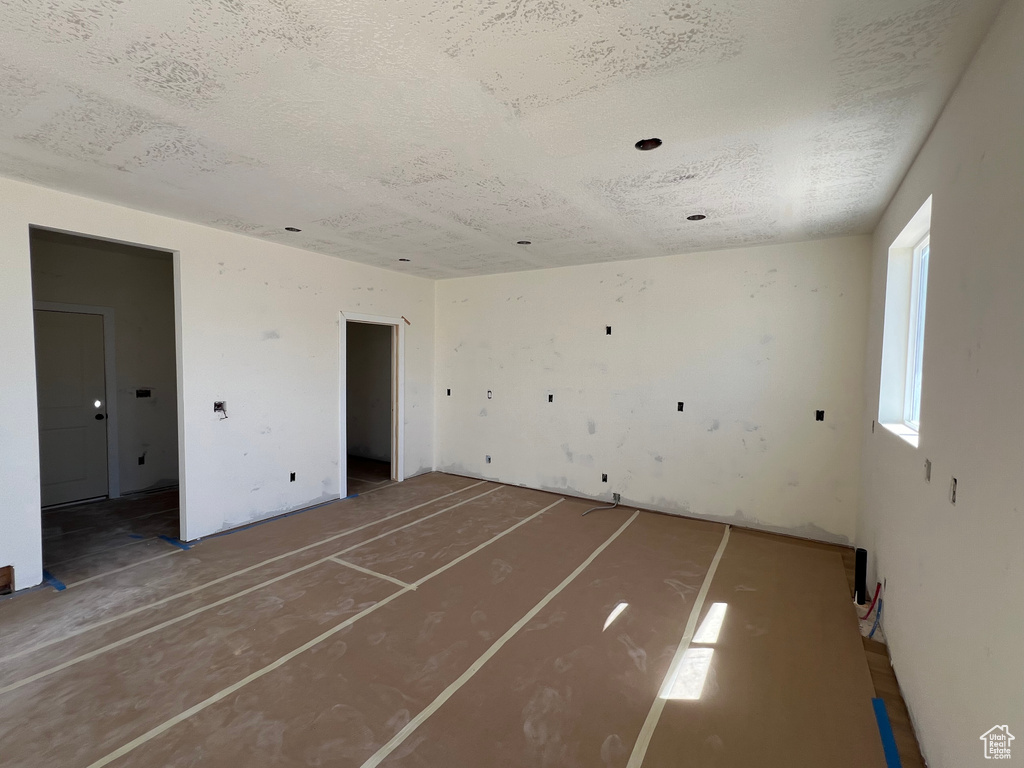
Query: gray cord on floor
[594,509]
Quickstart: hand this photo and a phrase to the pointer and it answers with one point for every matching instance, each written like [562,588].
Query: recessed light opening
[403,259]
[645,145]
[523,242]
[292,229]
[696,217]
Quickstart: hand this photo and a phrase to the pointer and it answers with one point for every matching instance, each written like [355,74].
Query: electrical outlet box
[488,394]
[604,478]
[487,459]
[143,392]
[819,415]
[220,406]
[679,407]
[927,470]
[616,498]
[551,398]
[449,393]
[142,459]
[291,478]
[952,492]
[607,330]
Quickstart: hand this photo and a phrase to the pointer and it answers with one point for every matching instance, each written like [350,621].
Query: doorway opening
[372,422]
[107,390]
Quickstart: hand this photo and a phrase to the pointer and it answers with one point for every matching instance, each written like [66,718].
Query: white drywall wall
[368,352]
[139,285]
[753,341]
[259,328]
[954,609]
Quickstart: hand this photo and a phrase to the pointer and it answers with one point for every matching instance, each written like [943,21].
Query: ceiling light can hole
[696,217]
[645,145]
[292,229]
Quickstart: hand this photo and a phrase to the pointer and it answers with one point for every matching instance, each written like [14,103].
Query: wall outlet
[487,459]
[488,394]
[291,478]
[616,498]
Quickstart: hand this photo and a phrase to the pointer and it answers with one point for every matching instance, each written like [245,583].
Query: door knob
[100,417]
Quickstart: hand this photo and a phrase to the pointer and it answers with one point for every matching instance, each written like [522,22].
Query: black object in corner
[860,577]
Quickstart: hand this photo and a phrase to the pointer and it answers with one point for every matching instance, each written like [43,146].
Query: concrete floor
[364,474]
[446,622]
[81,541]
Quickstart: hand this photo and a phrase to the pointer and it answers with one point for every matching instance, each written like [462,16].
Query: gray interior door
[72,406]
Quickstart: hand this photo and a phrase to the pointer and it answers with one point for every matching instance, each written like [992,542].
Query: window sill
[904,432]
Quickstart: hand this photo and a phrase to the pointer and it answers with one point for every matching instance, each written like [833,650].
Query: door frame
[397,394]
[109,383]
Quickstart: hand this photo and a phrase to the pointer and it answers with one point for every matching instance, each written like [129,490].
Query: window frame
[903,327]
[916,331]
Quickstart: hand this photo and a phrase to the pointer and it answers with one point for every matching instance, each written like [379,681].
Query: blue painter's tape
[351,496]
[53,581]
[892,755]
[175,542]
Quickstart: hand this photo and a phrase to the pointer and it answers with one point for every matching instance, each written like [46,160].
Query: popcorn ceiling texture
[445,131]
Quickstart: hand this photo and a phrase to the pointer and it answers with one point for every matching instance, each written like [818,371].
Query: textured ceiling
[444,131]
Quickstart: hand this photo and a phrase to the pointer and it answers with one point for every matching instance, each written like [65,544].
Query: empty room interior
[512,383]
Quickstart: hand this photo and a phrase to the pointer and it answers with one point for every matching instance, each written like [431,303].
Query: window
[906,289]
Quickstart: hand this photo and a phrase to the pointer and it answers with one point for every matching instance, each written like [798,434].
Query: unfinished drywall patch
[598,43]
[752,341]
